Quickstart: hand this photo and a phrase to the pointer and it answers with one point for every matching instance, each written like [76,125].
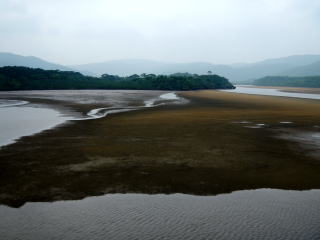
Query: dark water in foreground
[250,214]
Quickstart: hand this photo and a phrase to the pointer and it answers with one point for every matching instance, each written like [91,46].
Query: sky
[216,31]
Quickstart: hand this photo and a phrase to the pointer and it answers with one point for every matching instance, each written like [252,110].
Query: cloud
[80,31]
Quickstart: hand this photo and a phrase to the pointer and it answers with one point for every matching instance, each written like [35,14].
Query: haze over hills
[9,59]
[307,70]
[127,67]
[235,72]
[298,65]
[285,81]
[295,60]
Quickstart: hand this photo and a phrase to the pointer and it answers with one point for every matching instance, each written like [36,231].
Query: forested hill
[23,78]
[311,82]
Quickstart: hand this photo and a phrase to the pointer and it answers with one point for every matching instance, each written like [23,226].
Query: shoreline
[57,114]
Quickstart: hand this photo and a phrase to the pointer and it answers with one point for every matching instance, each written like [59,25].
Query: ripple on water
[257,214]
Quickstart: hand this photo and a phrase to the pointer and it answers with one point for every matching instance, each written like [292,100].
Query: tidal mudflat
[175,159]
[48,109]
[194,148]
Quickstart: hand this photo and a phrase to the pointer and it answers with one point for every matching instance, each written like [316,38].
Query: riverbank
[203,147]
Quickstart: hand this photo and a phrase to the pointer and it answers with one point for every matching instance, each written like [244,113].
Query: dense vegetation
[22,78]
[312,82]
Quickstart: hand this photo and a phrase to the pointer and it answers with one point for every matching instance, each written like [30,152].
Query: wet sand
[197,148]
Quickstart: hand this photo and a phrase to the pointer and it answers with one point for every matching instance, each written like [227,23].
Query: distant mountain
[235,72]
[298,65]
[307,70]
[122,67]
[9,59]
[295,60]
[139,66]
[270,67]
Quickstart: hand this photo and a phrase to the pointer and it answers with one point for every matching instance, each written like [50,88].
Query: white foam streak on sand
[11,103]
[255,126]
[102,112]
[149,103]
[39,119]
[242,122]
[166,96]
[169,96]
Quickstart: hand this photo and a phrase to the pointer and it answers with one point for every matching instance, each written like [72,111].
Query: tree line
[23,78]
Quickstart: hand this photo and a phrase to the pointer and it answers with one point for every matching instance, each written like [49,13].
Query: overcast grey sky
[217,31]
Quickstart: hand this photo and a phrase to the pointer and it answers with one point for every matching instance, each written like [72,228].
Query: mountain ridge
[295,65]
[10,59]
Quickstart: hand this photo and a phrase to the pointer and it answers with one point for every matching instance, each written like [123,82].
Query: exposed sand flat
[197,148]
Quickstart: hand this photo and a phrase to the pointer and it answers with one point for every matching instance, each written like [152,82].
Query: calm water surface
[272,92]
[250,214]
[18,120]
